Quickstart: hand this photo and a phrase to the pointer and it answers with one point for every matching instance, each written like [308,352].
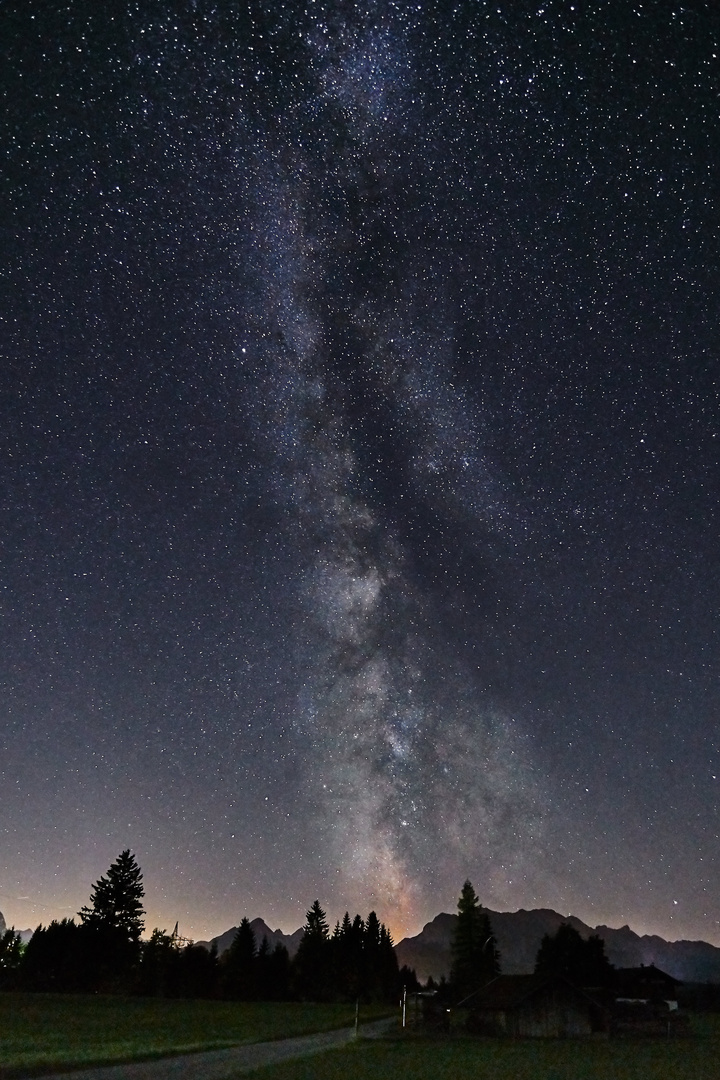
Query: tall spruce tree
[371,958]
[389,975]
[111,927]
[115,900]
[312,967]
[475,957]
[240,962]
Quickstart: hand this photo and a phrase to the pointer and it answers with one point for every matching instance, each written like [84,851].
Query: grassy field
[694,1058]
[42,1032]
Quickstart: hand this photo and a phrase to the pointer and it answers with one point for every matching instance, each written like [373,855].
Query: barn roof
[646,973]
[511,991]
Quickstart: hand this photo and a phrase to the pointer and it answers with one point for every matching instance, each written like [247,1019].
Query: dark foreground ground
[79,1039]
[463,1058]
[58,1033]
[221,1064]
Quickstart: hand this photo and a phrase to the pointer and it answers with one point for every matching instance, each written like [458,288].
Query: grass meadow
[47,1032]
[464,1058]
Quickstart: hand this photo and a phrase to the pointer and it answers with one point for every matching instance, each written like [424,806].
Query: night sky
[360,504]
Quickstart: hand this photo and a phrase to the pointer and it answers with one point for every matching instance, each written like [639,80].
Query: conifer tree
[389,974]
[262,971]
[239,979]
[475,958]
[111,927]
[312,965]
[567,953]
[115,900]
[371,958]
[349,958]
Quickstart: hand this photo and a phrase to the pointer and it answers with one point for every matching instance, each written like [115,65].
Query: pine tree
[312,964]
[116,899]
[262,971]
[240,963]
[567,953]
[348,948]
[389,974]
[475,958]
[371,959]
[111,927]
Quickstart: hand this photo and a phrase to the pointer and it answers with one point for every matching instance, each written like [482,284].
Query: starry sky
[360,427]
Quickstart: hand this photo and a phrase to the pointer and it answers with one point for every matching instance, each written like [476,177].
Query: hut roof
[646,973]
[511,991]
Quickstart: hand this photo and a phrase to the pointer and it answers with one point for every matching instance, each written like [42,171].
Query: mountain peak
[261,930]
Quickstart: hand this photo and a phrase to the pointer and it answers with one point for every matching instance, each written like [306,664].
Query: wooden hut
[531,1006]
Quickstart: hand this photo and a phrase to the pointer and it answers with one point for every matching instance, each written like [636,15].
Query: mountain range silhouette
[519,934]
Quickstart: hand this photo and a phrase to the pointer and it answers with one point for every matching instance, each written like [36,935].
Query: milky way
[360,459]
[413,774]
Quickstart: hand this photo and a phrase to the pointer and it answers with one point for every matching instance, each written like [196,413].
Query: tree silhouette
[363,962]
[409,980]
[112,925]
[158,975]
[11,951]
[263,986]
[388,979]
[197,971]
[347,958]
[56,959]
[174,967]
[567,953]
[475,957]
[115,900]
[279,973]
[371,958]
[312,964]
[239,963]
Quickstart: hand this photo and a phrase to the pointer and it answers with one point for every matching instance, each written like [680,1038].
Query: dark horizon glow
[360,431]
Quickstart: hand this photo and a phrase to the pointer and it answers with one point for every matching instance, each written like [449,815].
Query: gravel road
[219,1064]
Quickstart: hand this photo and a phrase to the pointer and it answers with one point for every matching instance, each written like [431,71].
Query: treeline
[104,952]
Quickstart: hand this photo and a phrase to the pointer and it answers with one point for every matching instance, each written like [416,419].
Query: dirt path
[219,1064]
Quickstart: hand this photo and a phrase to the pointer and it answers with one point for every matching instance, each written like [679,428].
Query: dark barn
[528,1006]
